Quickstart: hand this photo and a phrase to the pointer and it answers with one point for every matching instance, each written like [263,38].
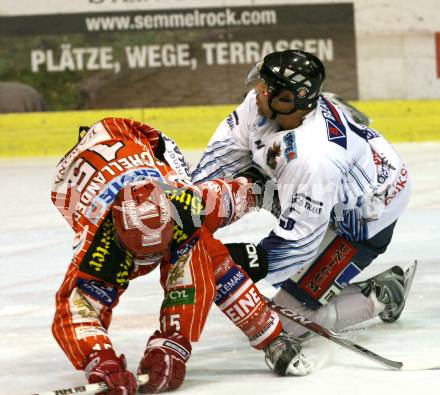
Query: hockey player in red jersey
[125,191]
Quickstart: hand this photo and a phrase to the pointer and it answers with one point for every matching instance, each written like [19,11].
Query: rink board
[54,133]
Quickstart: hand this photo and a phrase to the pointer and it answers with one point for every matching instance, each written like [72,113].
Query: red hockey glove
[105,366]
[164,361]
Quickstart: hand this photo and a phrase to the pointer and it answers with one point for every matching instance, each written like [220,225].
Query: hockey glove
[265,190]
[285,357]
[252,259]
[105,366]
[164,361]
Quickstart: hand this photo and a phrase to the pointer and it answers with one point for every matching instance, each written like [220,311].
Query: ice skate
[391,288]
[285,357]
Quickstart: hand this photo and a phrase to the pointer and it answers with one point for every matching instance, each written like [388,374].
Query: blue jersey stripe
[216,157]
[362,171]
[219,171]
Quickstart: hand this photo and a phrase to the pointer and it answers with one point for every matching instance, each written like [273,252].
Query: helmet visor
[254,76]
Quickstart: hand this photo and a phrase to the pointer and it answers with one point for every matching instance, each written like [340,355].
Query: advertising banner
[169,57]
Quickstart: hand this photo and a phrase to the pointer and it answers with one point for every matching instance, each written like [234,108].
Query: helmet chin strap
[275,112]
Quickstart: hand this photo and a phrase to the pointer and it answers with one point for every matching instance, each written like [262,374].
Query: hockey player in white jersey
[340,189]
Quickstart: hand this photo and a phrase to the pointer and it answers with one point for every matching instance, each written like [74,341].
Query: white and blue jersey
[329,170]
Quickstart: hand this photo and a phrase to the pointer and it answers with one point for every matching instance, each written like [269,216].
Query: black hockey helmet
[294,70]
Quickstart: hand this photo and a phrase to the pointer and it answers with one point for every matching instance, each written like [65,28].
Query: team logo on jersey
[336,132]
[290,152]
[272,155]
[180,275]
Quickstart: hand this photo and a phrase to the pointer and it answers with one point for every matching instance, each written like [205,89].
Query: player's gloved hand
[164,361]
[105,366]
[266,193]
[252,259]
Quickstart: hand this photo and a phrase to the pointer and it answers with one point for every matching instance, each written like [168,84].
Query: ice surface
[35,249]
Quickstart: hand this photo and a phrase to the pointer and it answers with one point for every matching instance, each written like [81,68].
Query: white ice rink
[35,249]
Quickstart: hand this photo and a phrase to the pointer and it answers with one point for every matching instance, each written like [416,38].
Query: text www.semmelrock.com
[182,20]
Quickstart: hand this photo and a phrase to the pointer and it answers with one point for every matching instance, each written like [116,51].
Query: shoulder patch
[273,154]
[336,131]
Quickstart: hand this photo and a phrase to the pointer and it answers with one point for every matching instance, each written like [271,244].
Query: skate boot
[285,357]
[391,288]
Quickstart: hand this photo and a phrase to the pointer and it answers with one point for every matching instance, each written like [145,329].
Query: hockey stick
[90,389]
[332,336]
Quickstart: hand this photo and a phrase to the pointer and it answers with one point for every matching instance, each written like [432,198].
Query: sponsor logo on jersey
[232,120]
[83,332]
[175,158]
[302,200]
[336,132]
[179,234]
[383,166]
[399,186]
[105,259]
[228,284]
[270,326]
[245,306]
[290,152]
[98,290]
[183,250]
[99,252]
[179,297]
[105,199]
[272,155]
[187,200]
